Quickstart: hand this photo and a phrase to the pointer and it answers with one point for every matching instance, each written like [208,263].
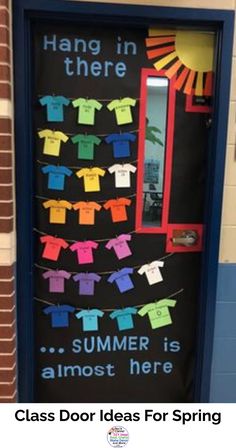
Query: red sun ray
[152,41]
[160,51]
[208,84]
[181,78]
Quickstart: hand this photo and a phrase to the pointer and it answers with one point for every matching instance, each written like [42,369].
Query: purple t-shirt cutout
[120,246]
[56,280]
[86,283]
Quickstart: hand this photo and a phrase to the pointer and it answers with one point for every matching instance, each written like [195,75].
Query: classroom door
[120,128]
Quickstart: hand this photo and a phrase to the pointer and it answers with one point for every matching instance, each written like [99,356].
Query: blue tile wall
[223,379]
[226,287]
[223,388]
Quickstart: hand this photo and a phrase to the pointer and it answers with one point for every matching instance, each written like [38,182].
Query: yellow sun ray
[189,56]
[164,61]
[152,32]
[199,84]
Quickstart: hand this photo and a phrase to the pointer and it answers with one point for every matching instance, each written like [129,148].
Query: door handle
[187,238]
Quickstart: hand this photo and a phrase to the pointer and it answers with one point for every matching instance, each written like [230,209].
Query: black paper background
[180,270]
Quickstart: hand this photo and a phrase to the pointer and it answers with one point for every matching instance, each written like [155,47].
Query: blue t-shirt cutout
[90,319]
[59,315]
[55,111]
[122,279]
[124,318]
[56,176]
[121,144]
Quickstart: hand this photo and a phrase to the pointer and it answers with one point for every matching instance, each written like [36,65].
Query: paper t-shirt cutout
[59,315]
[124,318]
[120,246]
[56,176]
[55,111]
[56,280]
[122,279]
[87,282]
[58,209]
[152,271]
[53,247]
[90,319]
[121,144]
[52,142]
[87,211]
[122,174]
[87,108]
[118,210]
[84,251]
[158,312]
[122,110]
[91,178]
[86,145]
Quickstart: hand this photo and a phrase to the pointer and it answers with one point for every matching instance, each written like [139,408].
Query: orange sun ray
[189,84]
[160,51]
[199,84]
[173,69]
[208,84]
[152,41]
[164,61]
[181,78]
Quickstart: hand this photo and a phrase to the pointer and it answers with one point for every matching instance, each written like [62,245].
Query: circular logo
[118,436]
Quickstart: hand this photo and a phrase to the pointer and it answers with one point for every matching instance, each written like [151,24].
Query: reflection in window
[155,146]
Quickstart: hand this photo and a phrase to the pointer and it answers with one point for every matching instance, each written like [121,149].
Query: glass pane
[155,147]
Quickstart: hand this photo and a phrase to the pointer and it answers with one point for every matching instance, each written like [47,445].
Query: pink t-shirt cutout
[84,251]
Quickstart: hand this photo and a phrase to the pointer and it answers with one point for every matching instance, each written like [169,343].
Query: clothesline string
[105,272]
[74,202]
[97,99]
[81,167]
[74,241]
[97,135]
[112,309]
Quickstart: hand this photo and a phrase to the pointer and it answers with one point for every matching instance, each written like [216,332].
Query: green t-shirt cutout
[87,108]
[86,145]
[158,312]
[122,109]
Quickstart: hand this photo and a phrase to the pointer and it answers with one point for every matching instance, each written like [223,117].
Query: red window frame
[168,152]
[190,107]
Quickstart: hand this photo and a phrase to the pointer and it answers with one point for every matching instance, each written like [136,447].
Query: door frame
[24,13]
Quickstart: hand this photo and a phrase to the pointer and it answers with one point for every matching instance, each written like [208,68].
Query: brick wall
[7,232]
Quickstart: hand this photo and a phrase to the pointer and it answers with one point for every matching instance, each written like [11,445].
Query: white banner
[119,425]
